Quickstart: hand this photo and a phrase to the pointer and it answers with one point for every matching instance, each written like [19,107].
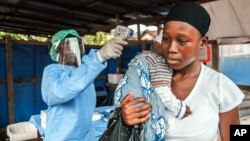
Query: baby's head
[156,47]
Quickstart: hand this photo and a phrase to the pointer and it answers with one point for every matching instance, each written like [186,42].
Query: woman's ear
[204,41]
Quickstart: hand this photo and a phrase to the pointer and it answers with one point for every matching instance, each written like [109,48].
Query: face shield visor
[71,51]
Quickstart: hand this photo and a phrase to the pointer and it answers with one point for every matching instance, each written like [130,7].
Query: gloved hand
[112,49]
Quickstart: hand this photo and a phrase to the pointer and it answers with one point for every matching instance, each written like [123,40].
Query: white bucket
[114,78]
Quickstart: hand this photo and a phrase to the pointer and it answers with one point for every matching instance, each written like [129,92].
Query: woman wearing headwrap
[212,97]
[68,89]
[149,76]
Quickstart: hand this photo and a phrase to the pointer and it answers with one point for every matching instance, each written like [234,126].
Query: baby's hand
[187,112]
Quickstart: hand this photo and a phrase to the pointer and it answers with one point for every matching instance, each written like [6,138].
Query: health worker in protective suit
[68,89]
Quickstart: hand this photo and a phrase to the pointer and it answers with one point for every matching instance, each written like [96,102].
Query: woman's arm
[226,119]
[133,114]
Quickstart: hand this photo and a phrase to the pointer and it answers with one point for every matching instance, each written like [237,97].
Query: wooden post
[158,28]
[144,45]
[215,55]
[138,31]
[119,59]
[10,82]
[117,19]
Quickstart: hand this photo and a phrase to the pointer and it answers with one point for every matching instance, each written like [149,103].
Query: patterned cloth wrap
[137,80]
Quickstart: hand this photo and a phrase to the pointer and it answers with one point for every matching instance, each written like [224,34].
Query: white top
[212,94]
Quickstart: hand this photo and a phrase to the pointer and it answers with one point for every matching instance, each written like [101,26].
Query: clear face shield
[71,50]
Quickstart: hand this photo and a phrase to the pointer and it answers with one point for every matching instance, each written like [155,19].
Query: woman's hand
[133,114]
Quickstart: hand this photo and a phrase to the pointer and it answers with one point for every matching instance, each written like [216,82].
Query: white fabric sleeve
[176,106]
[230,94]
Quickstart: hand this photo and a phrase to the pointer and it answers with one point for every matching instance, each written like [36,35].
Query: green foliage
[22,37]
[100,38]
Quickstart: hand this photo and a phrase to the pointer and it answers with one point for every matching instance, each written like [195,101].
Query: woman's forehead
[179,27]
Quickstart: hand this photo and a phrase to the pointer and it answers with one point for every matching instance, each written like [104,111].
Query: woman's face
[181,43]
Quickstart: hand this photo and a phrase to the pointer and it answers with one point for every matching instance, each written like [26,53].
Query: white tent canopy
[229,18]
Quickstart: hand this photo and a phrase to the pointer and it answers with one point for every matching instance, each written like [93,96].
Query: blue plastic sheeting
[2,61]
[28,100]
[148,47]
[112,65]
[3,96]
[237,69]
[129,53]
[38,101]
[4,106]
[28,61]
